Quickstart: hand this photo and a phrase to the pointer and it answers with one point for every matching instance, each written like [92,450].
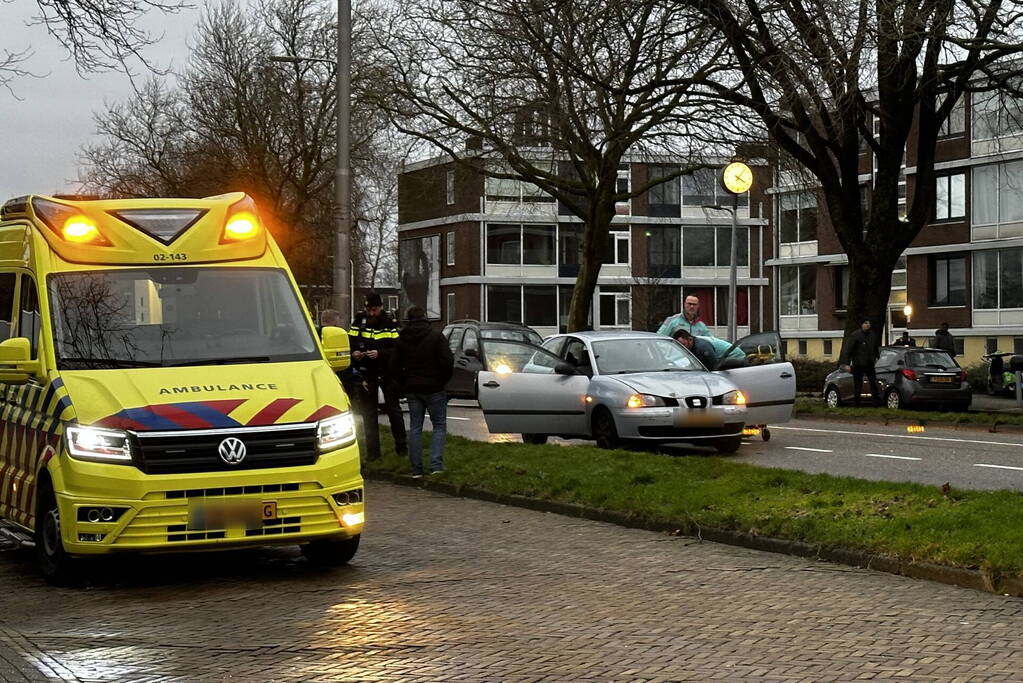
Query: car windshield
[930,359]
[646,354]
[528,336]
[177,316]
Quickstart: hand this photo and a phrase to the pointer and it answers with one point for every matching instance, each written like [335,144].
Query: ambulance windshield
[174,316]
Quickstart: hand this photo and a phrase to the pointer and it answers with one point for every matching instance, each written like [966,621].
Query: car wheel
[604,430]
[765,434]
[535,439]
[57,567]
[331,553]
[832,398]
[893,399]
[729,444]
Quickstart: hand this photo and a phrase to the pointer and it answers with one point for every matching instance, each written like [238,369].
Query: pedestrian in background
[373,336]
[861,352]
[688,320]
[904,340]
[944,340]
[423,363]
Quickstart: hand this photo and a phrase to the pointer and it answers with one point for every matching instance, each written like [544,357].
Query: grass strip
[809,407]
[969,529]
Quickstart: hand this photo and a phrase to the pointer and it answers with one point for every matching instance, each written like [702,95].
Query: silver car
[618,386]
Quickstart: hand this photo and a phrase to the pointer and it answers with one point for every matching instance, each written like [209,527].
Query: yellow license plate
[941,379]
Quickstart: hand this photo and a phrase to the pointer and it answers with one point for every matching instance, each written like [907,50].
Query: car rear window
[930,359]
[527,336]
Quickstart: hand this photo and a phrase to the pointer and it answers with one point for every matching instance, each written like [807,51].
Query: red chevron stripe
[325,411]
[224,405]
[273,411]
[182,418]
[117,422]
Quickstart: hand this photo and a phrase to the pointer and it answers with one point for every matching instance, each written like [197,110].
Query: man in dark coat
[373,335]
[423,363]
[944,340]
[861,353]
[904,340]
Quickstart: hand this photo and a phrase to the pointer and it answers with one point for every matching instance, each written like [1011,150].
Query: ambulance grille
[196,450]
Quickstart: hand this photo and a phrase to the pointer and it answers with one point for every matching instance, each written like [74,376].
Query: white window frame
[450,307]
[618,297]
[522,244]
[799,293]
[717,228]
[392,302]
[449,182]
[955,124]
[624,208]
[947,182]
[617,237]
[979,186]
[450,247]
[799,216]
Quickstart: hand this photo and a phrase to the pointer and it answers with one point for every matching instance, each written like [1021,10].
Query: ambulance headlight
[335,432]
[99,445]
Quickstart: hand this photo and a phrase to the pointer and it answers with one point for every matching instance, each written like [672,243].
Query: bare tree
[830,81]
[579,83]
[98,36]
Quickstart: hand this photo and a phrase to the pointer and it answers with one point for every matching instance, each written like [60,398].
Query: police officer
[373,335]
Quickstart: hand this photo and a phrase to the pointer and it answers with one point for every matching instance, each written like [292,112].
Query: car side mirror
[471,352]
[16,364]
[730,363]
[564,368]
[336,347]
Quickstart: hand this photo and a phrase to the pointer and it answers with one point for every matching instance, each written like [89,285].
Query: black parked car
[467,339]
[907,375]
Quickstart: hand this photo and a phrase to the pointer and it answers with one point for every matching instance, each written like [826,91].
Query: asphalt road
[964,458]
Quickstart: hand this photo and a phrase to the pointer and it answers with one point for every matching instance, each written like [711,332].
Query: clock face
[737,177]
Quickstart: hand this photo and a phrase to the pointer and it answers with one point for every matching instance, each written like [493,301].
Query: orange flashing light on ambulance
[162,387]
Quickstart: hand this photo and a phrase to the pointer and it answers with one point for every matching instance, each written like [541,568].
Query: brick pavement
[462,590]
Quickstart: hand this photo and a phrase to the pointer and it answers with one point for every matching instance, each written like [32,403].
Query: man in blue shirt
[688,320]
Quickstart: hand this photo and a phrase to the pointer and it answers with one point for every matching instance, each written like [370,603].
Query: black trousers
[858,373]
[365,396]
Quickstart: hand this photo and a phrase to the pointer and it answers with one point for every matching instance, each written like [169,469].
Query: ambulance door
[9,469]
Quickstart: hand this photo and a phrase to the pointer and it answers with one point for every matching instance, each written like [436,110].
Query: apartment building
[472,246]
[964,268]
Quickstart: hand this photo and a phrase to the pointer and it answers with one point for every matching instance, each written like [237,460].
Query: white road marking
[1000,467]
[452,417]
[898,436]
[815,450]
[893,457]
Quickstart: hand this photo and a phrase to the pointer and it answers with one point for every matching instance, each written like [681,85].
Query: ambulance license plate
[247,514]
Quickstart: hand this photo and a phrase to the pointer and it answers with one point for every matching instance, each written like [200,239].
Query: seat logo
[232,450]
[696,402]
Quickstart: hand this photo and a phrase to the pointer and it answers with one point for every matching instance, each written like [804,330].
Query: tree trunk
[596,233]
[869,292]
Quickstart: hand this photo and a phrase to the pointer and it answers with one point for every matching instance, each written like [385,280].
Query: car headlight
[99,445]
[734,398]
[335,432]
[644,401]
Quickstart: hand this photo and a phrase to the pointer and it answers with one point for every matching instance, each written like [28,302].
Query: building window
[450,247]
[702,188]
[784,348]
[842,287]
[1017,345]
[514,190]
[450,181]
[995,115]
[451,306]
[798,287]
[897,299]
[504,303]
[998,193]
[955,124]
[709,246]
[998,278]
[950,197]
[624,186]
[541,305]
[615,307]
[664,257]
[948,281]
[664,199]
[538,245]
[797,217]
[520,244]
[960,345]
[392,303]
[991,345]
[801,345]
[617,253]
[828,347]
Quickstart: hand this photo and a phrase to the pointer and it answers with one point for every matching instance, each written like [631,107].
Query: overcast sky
[41,134]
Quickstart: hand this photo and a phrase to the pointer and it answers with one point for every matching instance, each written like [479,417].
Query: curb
[954,576]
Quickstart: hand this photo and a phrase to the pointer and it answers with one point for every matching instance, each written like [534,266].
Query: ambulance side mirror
[16,364]
[335,347]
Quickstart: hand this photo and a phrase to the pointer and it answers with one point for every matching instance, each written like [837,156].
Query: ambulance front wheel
[331,553]
[58,568]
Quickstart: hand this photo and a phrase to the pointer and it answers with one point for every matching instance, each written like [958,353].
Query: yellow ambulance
[162,387]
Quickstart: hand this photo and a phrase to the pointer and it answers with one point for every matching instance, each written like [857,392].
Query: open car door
[763,375]
[522,391]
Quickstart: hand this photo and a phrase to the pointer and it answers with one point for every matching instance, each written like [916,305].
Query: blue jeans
[418,404]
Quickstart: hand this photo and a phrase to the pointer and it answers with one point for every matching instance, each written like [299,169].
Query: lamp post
[342,270]
[736,178]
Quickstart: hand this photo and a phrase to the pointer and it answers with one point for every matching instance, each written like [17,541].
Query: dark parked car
[906,376]
[468,345]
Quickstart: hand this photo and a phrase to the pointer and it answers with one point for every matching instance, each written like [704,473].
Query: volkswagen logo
[232,450]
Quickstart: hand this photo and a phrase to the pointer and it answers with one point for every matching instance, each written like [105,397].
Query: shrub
[810,374]
[977,375]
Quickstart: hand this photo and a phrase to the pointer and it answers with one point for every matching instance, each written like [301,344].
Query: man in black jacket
[944,340]
[423,363]
[373,335]
[861,353]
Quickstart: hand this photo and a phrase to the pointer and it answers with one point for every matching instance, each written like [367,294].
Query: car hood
[204,397]
[676,383]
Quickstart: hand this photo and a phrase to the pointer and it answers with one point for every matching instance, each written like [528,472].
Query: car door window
[887,359]
[762,348]
[577,355]
[471,341]
[455,338]
[554,345]
[505,356]
[29,320]
[7,281]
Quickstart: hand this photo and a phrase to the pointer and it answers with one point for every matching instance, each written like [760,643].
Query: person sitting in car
[709,350]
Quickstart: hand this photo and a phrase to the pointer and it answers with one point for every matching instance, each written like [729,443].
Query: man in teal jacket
[709,350]
[688,320]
